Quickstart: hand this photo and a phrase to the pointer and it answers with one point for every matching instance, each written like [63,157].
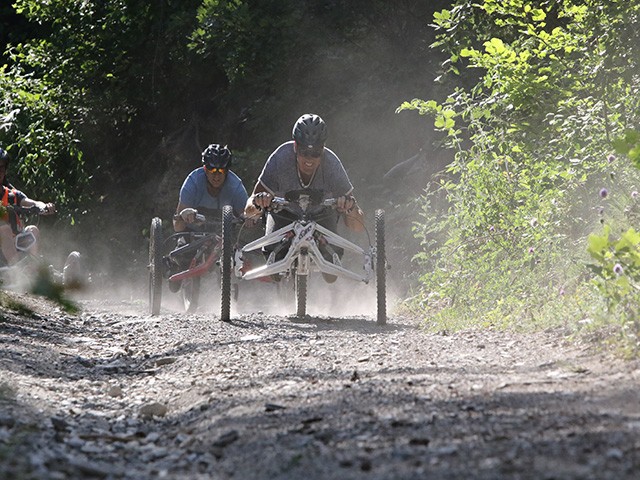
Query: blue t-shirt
[194,192]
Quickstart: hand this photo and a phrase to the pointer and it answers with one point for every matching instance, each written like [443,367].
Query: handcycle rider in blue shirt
[209,188]
[206,190]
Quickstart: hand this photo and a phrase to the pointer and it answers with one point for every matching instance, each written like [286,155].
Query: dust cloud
[343,298]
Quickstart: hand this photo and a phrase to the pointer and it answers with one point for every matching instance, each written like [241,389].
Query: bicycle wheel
[190,294]
[381,272]
[226,265]
[301,295]
[155,266]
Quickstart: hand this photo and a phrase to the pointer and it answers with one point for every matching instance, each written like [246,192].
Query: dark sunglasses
[310,152]
[215,169]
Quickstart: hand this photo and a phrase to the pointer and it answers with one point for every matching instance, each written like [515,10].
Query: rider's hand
[46,208]
[262,200]
[188,215]
[345,203]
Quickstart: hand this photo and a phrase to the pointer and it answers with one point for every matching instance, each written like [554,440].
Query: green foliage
[629,145]
[247,39]
[618,267]
[544,89]
[615,255]
[36,131]
[617,278]
[70,98]
[8,302]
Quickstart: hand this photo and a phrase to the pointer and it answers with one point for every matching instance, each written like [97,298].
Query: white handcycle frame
[304,250]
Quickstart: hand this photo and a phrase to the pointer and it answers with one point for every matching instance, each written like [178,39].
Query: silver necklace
[310,181]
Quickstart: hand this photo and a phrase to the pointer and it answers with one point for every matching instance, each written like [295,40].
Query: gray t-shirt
[280,174]
[194,192]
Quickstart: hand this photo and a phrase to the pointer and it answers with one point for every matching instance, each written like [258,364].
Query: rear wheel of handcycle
[155,266]
[301,295]
[381,272]
[225,270]
[190,293]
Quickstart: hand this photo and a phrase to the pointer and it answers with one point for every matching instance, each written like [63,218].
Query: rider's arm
[179,225]
[44,207]
[259,200]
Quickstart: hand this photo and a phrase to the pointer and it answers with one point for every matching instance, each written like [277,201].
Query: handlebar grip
[277,203]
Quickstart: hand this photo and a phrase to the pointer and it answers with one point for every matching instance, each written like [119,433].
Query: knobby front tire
[381,271]
[301,295]
[225,270]
[155,266]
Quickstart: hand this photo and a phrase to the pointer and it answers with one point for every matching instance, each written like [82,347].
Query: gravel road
[114,393]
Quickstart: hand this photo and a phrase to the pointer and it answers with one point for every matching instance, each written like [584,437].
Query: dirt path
[114,393]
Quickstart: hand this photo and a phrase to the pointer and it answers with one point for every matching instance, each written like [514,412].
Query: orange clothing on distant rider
[10,196]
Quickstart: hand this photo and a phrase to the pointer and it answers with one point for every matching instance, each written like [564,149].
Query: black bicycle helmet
[216,156]
[310,131]
[4,156]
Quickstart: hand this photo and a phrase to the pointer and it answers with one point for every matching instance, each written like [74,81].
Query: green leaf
[538,15]
[597,244]
[495,46]
[629,240]
[468,52]
[634,154]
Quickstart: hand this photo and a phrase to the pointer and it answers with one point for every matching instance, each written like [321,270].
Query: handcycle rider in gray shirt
[305,163]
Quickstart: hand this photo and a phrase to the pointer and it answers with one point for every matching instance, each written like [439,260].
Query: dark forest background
[137,89]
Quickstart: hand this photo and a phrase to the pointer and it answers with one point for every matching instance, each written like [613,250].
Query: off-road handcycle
[24,272]
[184,259]
[303,247]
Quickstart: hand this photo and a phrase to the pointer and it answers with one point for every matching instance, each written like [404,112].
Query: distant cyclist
[9,223]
